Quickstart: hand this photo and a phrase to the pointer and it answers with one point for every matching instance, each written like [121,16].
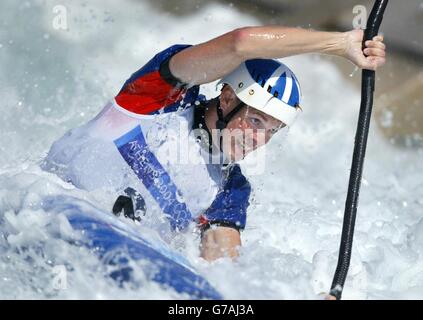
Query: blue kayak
[109,237]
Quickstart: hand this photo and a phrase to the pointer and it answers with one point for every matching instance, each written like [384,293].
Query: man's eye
[255,121]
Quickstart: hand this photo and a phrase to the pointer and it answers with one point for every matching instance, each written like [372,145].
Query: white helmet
[269,86]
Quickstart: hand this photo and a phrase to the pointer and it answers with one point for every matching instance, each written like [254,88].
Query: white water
[53,80]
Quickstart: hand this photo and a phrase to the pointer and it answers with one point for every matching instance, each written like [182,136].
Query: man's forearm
[279,42]
[213,59]
[220,242]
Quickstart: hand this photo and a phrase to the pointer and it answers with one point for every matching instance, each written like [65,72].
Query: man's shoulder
[160,57]
[152,89]
[170,51]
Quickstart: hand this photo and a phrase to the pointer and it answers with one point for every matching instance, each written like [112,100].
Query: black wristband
[208,225]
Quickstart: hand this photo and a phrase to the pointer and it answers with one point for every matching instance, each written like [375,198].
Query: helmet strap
[222,122]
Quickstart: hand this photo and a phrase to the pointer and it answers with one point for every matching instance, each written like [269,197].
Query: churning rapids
[53,80]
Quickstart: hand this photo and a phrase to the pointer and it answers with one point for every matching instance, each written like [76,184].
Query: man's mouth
[244,146]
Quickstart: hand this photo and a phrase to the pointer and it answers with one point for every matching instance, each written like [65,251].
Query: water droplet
[354,71]
[386,119]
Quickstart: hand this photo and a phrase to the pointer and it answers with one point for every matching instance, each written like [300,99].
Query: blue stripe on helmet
[295,94]
[262,68]
[280,86]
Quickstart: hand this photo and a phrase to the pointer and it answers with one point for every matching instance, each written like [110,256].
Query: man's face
[248,130]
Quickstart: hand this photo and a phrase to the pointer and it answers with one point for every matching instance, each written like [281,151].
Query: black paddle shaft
[367,89]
